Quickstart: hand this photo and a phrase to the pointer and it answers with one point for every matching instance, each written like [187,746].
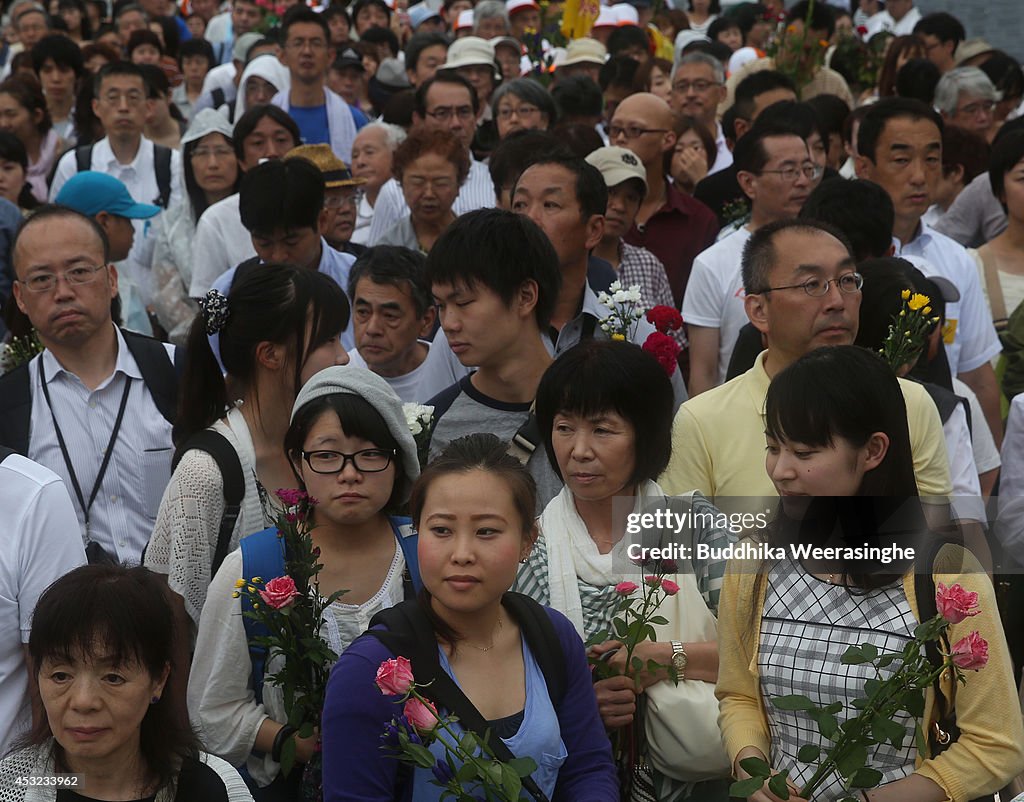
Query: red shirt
[676,233]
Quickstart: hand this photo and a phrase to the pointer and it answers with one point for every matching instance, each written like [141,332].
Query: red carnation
[664,349]
[665,318]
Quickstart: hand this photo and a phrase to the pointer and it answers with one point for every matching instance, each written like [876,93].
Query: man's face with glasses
[121,105]
[696,92]
[450,107]
[973,113]
[781,187]
[339,215]
[307,52]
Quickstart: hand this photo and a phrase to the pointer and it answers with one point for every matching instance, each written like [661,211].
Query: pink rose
[970,653]
[279,592]
[955,604]
[670,587]
[421,715]
[394,677]
[652,580]
[625,588]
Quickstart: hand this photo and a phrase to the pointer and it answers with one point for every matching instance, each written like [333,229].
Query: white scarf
[573,555]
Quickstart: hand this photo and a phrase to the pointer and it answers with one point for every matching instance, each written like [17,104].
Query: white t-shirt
[415,387]
[221,242]
[986,455]
[969,335]
[714,294]
[42,541]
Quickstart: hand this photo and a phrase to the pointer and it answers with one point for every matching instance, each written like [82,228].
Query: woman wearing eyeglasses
[351,449]
[522,104]
[430,166]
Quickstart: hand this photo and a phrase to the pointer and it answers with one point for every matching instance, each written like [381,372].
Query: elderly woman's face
[596,454]
[95,708]
[514,114]
[430,185]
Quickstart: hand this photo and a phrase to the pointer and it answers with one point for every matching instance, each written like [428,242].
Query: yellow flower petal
[619,337]
[918,301]
[905,295]
[239,583]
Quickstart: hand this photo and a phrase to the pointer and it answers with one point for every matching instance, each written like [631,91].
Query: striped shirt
[122,517]
[476,193]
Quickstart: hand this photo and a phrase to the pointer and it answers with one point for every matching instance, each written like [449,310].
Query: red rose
[279,592]
[970,653]
[664,349]
[955,604]
[421,715]
[665,318]
[394,676]
[670,587]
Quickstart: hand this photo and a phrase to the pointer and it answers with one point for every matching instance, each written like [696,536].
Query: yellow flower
[619,337]
[905,295]
[235,595]
[918,301]
[927,310]
[252,589]
[239,583]
[257,579]
[903,313]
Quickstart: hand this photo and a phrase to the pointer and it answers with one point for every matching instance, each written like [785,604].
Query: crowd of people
[487,280]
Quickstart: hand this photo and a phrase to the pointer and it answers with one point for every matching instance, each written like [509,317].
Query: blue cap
[420,13]
[90,193]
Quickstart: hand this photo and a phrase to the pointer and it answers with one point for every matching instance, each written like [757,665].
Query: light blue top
[539,735]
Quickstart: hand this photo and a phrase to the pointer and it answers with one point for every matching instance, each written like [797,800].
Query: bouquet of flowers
[660,344]
[468,770]
[291,612]
[797,54]
[19,351]
[626,311]
[873,723]
[908,331]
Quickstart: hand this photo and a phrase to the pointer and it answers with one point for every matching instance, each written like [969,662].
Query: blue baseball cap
[90,193]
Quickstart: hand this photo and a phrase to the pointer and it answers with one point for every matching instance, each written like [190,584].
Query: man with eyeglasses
[670,224]
[698,87]
[342,194]
[899,147]
[774,170]
[446,101]
[322,116]
[95,407]
[941,34]
[967,97]
[151,173]
[802,293]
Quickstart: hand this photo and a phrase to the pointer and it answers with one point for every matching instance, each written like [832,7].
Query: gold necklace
[494,636]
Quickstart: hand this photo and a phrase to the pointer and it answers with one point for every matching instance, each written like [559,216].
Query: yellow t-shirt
[718,444]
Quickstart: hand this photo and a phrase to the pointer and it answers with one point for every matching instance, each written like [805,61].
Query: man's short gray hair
[393,135]
[489,9]
[963,81]
[700,57]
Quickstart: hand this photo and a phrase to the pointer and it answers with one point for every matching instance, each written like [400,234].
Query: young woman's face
[661,84]
[355,493]
[799,470]
[515,114]
[1013,191]
[471,541]
[146,54]
[12,179]
[72,18]
[596,455]
[18,120]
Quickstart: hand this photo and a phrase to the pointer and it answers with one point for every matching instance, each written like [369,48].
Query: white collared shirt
[969,335]
[476,193]
[723,158]
[121,518]
[139,177]
[883,21]
[221,242]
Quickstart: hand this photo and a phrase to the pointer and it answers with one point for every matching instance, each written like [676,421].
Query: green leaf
[866,778]
[756,767]
[746,788]
[808,753]
[833,708]
[885,660]
[466,772]
[922,742]
[468,743]
[913,702]
[871,686]
[288,755]
[792,702]
[827,724]
[853,657]
[869,650]
[778,786]
[853,760]
[423,756]
[523,766]
[659,620]
[886,729]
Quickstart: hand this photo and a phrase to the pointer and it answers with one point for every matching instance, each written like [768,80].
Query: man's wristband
[283,734]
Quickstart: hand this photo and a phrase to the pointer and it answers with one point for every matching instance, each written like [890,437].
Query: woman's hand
[689,167]
[305,747]
[763,794]
[616,701]
[660,653]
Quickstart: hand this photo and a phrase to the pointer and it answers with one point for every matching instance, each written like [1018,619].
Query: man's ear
[748,183]
[756,308]
[427,322]
[668,141]
[863,166]
[740,127]
[595,231]
[527,297]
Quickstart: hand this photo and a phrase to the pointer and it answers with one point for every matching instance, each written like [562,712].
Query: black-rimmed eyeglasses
[369,460]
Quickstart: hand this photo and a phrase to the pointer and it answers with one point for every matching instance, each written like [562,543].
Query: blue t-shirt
[312,122]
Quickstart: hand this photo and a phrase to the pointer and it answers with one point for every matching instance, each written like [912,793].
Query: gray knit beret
[372,388]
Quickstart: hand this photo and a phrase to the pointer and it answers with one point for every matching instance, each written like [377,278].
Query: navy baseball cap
[90,193]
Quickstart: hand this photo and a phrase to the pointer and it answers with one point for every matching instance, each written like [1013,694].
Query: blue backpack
[263,556]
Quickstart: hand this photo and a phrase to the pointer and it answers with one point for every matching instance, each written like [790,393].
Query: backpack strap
[83,158]
[408,540]
[526,439]
[16,409]
[158,372]
[162,166]
[993,287]
[410,633]
[217,446]
[262,556]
